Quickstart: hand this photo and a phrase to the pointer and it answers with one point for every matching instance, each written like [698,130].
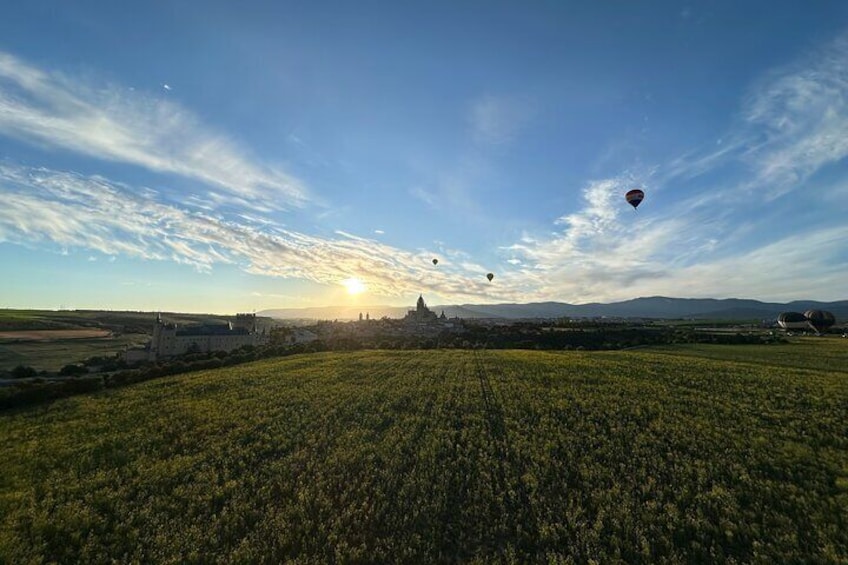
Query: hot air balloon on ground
[792,321]
[819,320]
[435,261]
[490,276]
[634,197]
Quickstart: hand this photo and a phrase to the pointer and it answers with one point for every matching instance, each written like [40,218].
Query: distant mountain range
[651,307]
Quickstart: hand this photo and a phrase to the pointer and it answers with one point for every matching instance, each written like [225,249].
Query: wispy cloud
[114,124]
[810,263]
[800,114]
[596,252]
[790,126]
[423,195]
[601,256]
[719,238]
[496,120]
[75,211]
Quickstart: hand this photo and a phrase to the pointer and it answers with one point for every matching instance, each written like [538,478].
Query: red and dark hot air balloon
[634,197]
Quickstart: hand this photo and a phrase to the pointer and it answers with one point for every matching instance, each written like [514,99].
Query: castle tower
[156,340]
[245,321]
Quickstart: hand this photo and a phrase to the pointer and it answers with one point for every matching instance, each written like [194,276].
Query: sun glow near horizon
[354,286]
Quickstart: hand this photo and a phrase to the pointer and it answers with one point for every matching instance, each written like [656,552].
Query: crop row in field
[437,456]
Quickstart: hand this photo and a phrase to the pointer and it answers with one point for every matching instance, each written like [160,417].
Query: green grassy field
[819,353]
[132,329]
[112,319]
[52,355]
[696,455]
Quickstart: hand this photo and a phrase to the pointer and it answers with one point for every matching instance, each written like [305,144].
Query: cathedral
[422,314]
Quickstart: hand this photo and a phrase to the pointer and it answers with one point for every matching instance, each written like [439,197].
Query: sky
[210,156]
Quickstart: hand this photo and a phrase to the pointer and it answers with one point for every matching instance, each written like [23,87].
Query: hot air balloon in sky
[634,197]
[435,261]
[490,276]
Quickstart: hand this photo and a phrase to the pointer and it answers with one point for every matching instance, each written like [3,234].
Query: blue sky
[214,157]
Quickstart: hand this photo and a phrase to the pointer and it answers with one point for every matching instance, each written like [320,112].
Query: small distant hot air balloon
[435,261]
[634,197]
[490,276]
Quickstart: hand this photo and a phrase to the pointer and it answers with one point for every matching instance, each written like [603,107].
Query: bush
[23,372]
[72,370]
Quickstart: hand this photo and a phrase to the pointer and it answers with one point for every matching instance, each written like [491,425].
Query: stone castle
[170,341]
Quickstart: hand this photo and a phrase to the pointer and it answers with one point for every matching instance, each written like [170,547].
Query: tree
[23,372]
[72,370]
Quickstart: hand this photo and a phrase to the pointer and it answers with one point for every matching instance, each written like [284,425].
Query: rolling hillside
[652,307]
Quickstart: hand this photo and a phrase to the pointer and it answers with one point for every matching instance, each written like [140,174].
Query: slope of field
[828,354]
[129,322]
[53,354]
[631,456]
[48,340]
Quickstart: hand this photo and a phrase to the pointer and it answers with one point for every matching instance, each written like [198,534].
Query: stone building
[421,314]
[170,341]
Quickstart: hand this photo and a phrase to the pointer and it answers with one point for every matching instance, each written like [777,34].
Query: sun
[354,286]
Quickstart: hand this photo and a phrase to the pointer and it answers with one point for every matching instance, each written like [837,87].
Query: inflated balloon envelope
[634,197]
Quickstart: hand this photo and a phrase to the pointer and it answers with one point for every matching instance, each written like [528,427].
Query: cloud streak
[93,213]
[600,256]
[789,127]
[800,114]
[496,120]
[714,235]
[112,124]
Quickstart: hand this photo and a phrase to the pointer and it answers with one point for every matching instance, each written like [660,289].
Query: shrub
[23,372]
[72,370]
